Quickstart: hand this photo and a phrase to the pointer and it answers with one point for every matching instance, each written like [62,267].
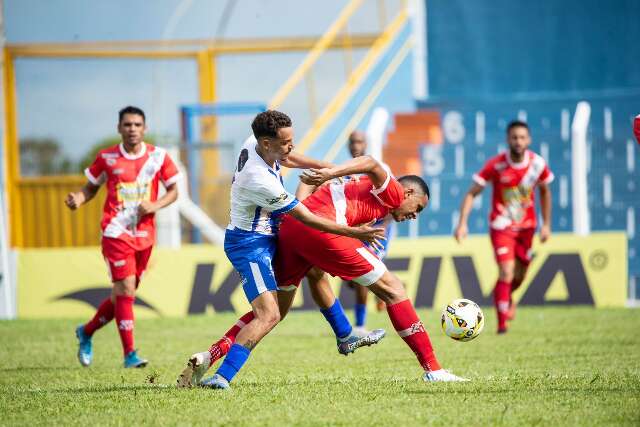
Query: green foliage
[556,366]
[43,156]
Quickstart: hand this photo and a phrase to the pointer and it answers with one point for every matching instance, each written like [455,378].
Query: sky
[76,101]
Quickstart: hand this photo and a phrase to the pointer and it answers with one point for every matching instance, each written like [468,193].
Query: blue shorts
[251,254]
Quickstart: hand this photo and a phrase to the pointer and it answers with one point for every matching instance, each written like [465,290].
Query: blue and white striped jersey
[257,193]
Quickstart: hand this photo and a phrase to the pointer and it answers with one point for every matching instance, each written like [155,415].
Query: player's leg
[408,325]
[266,317]
[504,246]
[124,294]
[347,339]
[360,309]
[523,254]
[84,333]
[519,273]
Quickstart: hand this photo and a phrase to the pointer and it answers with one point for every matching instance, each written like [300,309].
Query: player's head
[357,143]
[416,197]
[518,137]
[131,125]
[274,132]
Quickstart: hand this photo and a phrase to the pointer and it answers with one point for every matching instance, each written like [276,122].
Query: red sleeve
[390,195]
[486,174]
[546,176]
[168,171]
[636,127]
[96,172]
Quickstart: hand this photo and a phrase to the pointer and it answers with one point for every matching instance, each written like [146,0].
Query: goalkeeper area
[555,367]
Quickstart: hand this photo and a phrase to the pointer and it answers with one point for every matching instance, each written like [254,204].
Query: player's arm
[465,209]
[147,207]
[545,204]
[363,232]
[300,161]
[76,199]
[363,164]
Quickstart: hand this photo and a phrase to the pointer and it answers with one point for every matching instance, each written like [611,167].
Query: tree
[43,156]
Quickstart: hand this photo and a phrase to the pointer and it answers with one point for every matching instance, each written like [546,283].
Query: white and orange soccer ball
[462,320]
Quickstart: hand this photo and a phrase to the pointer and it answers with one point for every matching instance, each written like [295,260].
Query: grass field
[557,366]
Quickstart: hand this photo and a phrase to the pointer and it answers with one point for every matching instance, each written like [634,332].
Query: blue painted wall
[496,47]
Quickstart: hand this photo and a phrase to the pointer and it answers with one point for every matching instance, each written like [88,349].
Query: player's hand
[461,232]
[372,235]
[146,207]
[74,200]
[545,233]
[316,176]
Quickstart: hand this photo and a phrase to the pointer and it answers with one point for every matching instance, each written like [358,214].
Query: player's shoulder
[498,162]
[535,158]
[112,152]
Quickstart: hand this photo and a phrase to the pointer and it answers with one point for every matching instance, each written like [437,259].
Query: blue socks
[236,357]
[361,314]
[337,319]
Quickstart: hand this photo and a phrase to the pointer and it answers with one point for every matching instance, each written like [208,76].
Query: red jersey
[636,127]
[513,184]
[130,179]
[356,201]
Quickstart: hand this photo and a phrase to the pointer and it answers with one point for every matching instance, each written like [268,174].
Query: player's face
[132,128]
[357,146]
[414,202]
[518,140]
[281,146]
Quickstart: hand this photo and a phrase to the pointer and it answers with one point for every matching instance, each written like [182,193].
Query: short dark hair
[269,122]
[130,109]
[417,181]
[517,124]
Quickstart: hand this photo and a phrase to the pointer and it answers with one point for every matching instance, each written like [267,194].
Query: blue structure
[490,62]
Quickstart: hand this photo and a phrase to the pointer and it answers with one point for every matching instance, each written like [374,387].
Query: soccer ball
[462,320]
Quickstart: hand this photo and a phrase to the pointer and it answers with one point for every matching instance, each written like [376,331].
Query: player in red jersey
[512,222]
[636,128]
[132,172]
[301,247]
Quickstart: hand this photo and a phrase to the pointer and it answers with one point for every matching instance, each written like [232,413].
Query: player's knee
[389,289]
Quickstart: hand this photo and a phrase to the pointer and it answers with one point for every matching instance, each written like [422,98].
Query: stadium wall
[198,279]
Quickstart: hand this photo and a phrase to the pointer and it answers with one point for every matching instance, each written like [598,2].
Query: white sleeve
[272,197]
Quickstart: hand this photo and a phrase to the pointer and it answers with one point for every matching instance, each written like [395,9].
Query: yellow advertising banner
[566,270]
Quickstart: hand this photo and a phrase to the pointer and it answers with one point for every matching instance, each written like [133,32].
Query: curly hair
[268,122]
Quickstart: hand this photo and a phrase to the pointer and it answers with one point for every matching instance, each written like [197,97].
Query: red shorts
[512,244]
[301,247]
[124,261]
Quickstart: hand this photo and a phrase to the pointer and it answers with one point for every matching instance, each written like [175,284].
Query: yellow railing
[37,215]
[48,222]
[354,79]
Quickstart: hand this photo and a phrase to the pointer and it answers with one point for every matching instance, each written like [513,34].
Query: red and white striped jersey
[513,197]
[130,179]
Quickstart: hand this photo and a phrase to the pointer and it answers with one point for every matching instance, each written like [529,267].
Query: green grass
[557,366]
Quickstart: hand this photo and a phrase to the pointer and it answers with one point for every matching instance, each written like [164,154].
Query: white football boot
[197,366]
[442,375]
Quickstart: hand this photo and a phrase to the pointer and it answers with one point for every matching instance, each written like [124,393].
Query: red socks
[222,346]
[406,322]
[501,299]
[124,320]
[103,316]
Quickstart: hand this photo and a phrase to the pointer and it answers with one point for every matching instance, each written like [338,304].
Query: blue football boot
[85,351]
[132,360]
